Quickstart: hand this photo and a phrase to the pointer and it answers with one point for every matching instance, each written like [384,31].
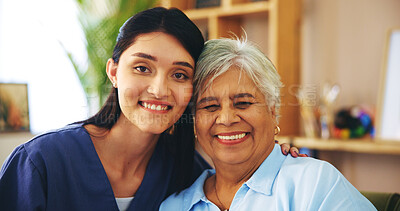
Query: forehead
[232,81]
[154,39]
[159,44]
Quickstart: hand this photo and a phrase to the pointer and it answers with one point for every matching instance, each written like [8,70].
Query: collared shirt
[280,183]
[60,170]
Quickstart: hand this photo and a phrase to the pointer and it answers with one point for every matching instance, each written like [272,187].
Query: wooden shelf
[369,146]
[232,10]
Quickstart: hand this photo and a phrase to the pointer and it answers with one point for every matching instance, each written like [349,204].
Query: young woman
[138,148]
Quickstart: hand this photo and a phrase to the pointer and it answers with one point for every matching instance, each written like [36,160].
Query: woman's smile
[155,106]
[231,138]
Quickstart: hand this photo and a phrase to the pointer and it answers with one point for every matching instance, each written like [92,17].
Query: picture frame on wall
[387,121]
[14,107]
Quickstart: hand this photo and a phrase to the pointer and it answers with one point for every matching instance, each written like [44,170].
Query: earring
[171,130]
[277,130]
[194,129]
[114,84]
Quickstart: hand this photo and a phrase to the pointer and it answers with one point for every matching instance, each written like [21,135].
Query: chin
[232,158]
[154,130]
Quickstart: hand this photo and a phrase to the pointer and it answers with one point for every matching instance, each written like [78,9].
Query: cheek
[263,123]
[202,131]
[203,124]
[128,96]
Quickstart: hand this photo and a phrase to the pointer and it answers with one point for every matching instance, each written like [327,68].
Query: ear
[111,70]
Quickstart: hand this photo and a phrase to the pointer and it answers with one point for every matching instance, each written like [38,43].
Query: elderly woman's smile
[231,138]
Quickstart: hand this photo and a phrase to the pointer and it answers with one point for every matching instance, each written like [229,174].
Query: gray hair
[220,55]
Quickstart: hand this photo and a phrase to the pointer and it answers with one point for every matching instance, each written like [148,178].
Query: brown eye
[211,108]
[243,105]
[180,76]
[142,69]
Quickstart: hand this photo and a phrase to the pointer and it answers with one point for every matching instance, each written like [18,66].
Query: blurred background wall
[343,42]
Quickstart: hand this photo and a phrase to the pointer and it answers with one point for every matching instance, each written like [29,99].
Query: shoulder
[188,197]
[173,202]
[51,145]
[325,186]
[309,166]
[61,133]
[59,138]
[308,174]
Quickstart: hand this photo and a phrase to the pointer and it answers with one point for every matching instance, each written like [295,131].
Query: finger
[303,155]
[285,148]
[294,152]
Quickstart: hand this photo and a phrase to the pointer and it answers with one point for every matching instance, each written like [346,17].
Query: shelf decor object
[388,111]
[14,111]
[308,108]
[328,97]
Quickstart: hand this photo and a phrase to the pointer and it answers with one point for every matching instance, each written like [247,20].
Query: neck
[124,152]
[124,147]
[238,173]
[222,187]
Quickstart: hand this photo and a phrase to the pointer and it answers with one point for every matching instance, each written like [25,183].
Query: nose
[158,87]
[227,116]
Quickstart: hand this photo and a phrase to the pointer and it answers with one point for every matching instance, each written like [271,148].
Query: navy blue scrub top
[60,170]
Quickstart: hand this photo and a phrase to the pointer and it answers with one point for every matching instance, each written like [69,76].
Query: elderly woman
[236,105]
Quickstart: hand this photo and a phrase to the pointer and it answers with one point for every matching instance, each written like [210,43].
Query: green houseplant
[100,21]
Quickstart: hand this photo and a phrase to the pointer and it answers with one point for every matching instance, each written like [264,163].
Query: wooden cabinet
[274,25]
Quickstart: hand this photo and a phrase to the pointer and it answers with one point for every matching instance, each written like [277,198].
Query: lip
[232,141]
[156,103]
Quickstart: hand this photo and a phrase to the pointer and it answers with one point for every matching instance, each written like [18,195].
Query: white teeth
[232,137]
[154,107]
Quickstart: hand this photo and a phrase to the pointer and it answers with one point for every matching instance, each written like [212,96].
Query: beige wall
[367,172]
[8,142]
[343,42]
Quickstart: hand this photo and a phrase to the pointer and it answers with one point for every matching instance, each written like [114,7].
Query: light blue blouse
[281,183]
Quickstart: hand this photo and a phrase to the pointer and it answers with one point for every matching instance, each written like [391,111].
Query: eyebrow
[243,95]
[185,64]
[203,100]
[145,56]
[240,95]
[150,57]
